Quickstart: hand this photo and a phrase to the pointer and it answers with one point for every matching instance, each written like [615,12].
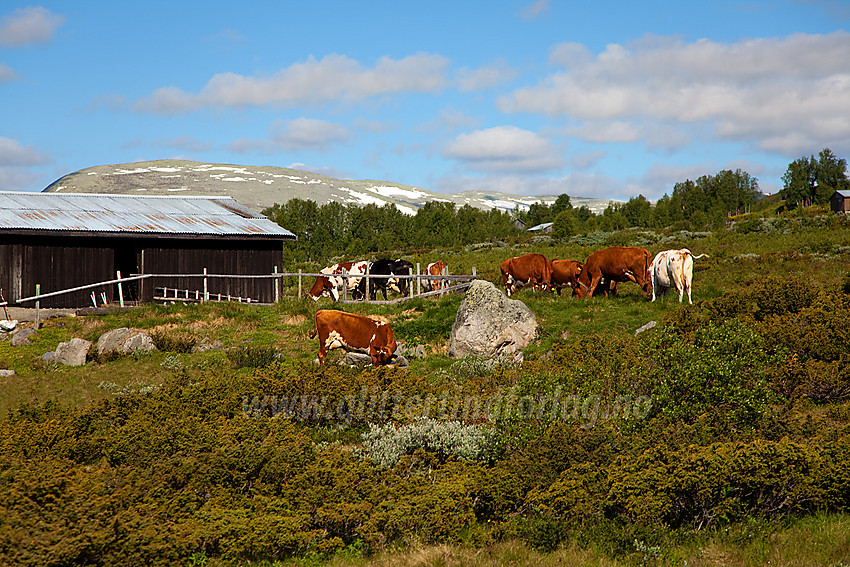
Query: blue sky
[594,99]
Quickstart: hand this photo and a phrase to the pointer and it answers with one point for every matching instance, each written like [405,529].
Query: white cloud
[588,160]
[29,25]
[535,9]
[7,73]
[12,153]
[484,77]
[333,78]
[18,164]
[752,90]
[504,148]
[298,134]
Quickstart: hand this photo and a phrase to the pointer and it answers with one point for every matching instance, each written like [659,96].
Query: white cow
[673,268]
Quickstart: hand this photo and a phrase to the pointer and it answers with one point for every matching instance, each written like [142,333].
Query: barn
[840,202]
[62,241]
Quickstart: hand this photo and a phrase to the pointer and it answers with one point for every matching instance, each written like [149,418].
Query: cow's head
[319,289]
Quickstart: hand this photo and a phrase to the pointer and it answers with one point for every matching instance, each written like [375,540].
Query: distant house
[519,224]
[840,201]
[545,228]
[62,241]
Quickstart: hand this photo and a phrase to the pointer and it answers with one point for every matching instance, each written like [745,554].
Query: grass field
[88,443]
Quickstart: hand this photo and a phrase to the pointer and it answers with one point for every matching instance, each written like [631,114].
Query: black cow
[387,268]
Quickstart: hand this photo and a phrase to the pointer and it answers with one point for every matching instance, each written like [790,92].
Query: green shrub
[722,372]
[252,356]
[174,341]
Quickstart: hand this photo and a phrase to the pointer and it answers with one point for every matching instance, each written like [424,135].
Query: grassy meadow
[741,458]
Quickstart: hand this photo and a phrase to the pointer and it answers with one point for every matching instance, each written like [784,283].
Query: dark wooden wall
[232,257]
[60,262]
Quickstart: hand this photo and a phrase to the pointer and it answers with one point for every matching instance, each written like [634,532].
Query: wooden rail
[206,295]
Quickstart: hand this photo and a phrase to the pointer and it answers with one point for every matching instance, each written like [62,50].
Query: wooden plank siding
[251,258]
[59,261]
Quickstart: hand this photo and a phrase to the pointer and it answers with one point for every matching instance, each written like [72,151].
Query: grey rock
[7,325]
[49,357]
[206,345]
[73,352]
[490,325]
[356,359]
[124,341]
[6,373]
[23,337]
[648,326]
[418,351]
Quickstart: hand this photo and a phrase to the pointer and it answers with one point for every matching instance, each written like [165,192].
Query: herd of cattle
[334,280]
[599,274]
[603,270]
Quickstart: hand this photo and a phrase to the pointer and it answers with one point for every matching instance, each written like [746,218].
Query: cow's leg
[594,281]
[323,349]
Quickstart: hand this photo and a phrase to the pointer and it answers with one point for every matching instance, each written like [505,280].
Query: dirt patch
[206,324]
[380,318]
[294,320]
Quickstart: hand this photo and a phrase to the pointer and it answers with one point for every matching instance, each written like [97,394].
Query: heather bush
[386,444]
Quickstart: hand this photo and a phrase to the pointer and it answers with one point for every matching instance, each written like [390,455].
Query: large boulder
[489,325]
[124,341]
[73,352]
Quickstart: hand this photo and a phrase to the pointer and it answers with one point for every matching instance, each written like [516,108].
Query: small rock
[73,352]
[356,359]
[6,373]
[124,341]
[22,337]
[206,345]
[8,325]
[648,326]
[49,357]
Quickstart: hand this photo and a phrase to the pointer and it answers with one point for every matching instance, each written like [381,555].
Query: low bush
[385,444]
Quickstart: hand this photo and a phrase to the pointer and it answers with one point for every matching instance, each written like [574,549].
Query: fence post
[344,284]
[299,284]
[120,289]
[368,265]
[276,286]
[37,304]
[206,289]
[418,280]
[446,283]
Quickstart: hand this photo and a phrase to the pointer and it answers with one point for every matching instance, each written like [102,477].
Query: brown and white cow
[528,270]
[337,329]
[565,273]
[615,264]
[437,268]
[331,284]
[673,269]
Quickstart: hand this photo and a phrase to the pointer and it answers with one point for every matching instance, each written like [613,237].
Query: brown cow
[337,329]
[565,274]
[615,264]
[437,268]
[531,269]
[331,284]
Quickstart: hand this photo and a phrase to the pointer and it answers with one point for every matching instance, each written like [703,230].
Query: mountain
[259,187]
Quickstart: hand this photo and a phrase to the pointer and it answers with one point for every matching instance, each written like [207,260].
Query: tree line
[334,229]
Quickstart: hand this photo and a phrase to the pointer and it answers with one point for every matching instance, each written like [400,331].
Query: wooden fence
[171,294]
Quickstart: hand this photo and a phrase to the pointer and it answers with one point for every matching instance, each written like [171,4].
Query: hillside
[719,437]
[259,187]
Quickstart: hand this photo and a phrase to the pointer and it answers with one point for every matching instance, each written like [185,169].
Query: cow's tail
[315,329]
[700,256]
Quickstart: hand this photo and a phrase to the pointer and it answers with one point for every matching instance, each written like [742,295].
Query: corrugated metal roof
[80,212]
